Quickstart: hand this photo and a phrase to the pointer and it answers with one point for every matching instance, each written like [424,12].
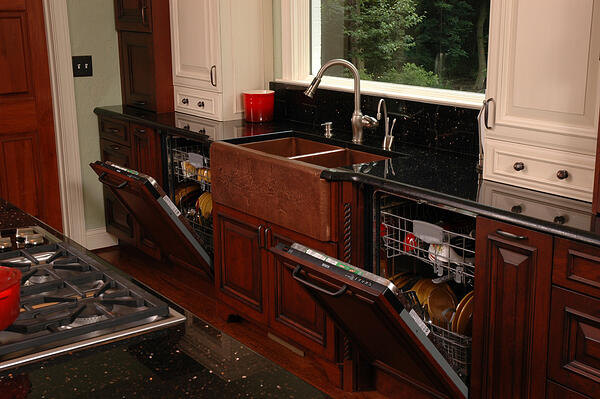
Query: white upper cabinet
[543,77]
[219,48]
[195,43]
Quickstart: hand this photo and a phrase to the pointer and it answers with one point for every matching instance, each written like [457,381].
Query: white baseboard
[99,238]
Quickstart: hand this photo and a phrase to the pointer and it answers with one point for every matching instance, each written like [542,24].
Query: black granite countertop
[439,177]
[191,360]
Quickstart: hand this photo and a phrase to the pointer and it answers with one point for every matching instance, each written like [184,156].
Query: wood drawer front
[116,153]
[540,169]
[197,102]
[114,130]
[576,266]
[574,347]
[191,123]
[555,391]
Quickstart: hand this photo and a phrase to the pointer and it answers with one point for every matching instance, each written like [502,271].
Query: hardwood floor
[192,290]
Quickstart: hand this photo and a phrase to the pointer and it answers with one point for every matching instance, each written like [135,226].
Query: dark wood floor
[193,290]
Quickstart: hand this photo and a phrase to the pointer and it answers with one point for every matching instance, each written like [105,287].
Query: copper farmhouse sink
[279,180]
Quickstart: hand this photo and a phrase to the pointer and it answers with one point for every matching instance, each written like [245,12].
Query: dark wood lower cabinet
[511,312]
[253,282]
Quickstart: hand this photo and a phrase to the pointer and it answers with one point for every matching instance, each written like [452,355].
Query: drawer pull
[186,127]
[213,80]
[519,166]
[516,209]
[112,130]
[260,236]
[512,236]
[140,130]
[296,276]
[203,131]
[115,147]
[201,104]
[141,103]
[185,101]
[562,174]
[560,219]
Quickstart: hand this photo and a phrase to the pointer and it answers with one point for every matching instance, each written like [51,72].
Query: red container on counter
[10,295]
[258,105]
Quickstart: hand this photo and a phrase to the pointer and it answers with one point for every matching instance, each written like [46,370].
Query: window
[428,50]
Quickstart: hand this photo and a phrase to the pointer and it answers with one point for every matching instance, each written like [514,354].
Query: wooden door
[137,70]
[240,267]
[119,221]
[511,312]
[293,313]
[133,15]
[28,165]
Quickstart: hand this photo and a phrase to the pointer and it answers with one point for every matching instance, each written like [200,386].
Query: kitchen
[234,235]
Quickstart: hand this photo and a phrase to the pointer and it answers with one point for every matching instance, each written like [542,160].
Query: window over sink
[427,50]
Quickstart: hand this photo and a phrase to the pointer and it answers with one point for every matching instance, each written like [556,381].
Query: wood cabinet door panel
[133,15]
[137,70]
[512,303]
[115,153]
[239,265]
[114,130]
[29,176]
[146,152]
[576,266]
[574,351]
[294,314]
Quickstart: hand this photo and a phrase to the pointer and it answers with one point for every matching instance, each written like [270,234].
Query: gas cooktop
[69,300]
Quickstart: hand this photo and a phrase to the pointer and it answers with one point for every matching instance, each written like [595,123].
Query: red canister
[10,295]
[258,105]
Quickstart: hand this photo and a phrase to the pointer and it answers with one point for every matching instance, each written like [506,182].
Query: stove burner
[90,314]
[39,277]
[34,239]
[23,232]
[5,243]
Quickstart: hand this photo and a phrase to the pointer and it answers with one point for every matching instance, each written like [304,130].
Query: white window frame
[296,65]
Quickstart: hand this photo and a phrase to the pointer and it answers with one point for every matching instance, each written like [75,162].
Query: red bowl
[10,295]
[258,105]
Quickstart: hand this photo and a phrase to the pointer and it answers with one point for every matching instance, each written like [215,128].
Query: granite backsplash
[432,126]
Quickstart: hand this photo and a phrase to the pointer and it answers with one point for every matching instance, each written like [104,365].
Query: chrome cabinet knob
[562,174]
[519,166]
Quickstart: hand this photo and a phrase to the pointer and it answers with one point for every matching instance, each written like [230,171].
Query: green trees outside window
[433,43]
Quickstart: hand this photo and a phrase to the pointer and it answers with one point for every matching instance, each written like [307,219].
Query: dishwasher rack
[433,243]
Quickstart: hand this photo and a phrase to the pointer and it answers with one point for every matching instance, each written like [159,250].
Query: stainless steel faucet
[388,138]
[358,119]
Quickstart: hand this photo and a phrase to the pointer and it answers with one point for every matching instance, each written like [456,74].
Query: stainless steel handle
[562,174]
[140,130]
[143,10]
[519,166]
[201,104]
[512,236]
[141,103]
[486,113]
[260,236]
[185,101]
[112,130]
[296,276]
[115,147]
[213,77]
[267,241]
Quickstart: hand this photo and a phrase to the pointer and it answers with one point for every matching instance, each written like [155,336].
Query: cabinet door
[510,316]
[137,70]
[293,314]
[240,267]
[133,15]
[119,221]
[195,44]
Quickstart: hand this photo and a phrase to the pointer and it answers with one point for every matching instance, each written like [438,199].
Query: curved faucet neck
[355,74]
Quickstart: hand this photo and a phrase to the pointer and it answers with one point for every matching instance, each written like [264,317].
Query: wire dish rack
[190,163]
[451,254]
[455,347]
[204,228]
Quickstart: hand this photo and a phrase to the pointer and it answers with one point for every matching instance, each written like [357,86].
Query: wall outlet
[82,65]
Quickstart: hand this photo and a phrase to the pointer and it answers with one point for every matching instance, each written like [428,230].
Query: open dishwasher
[413,313]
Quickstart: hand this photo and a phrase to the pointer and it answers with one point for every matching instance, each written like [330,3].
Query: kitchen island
[186,360]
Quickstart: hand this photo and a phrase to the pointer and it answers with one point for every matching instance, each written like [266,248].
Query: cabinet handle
[260,236]
[486,114]
[115,147]
[140,130]
[186,127]
[201,104]
[516,209]
[267,231]
[512,236]
[141,103]
[112,130]
[562,174]
[106,182]
[185,101]
[296,276]
[143,10]
[560,219]
[213,79]
[519,166]
[203,131]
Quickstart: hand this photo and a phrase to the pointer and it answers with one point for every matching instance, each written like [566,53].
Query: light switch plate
[82,65]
